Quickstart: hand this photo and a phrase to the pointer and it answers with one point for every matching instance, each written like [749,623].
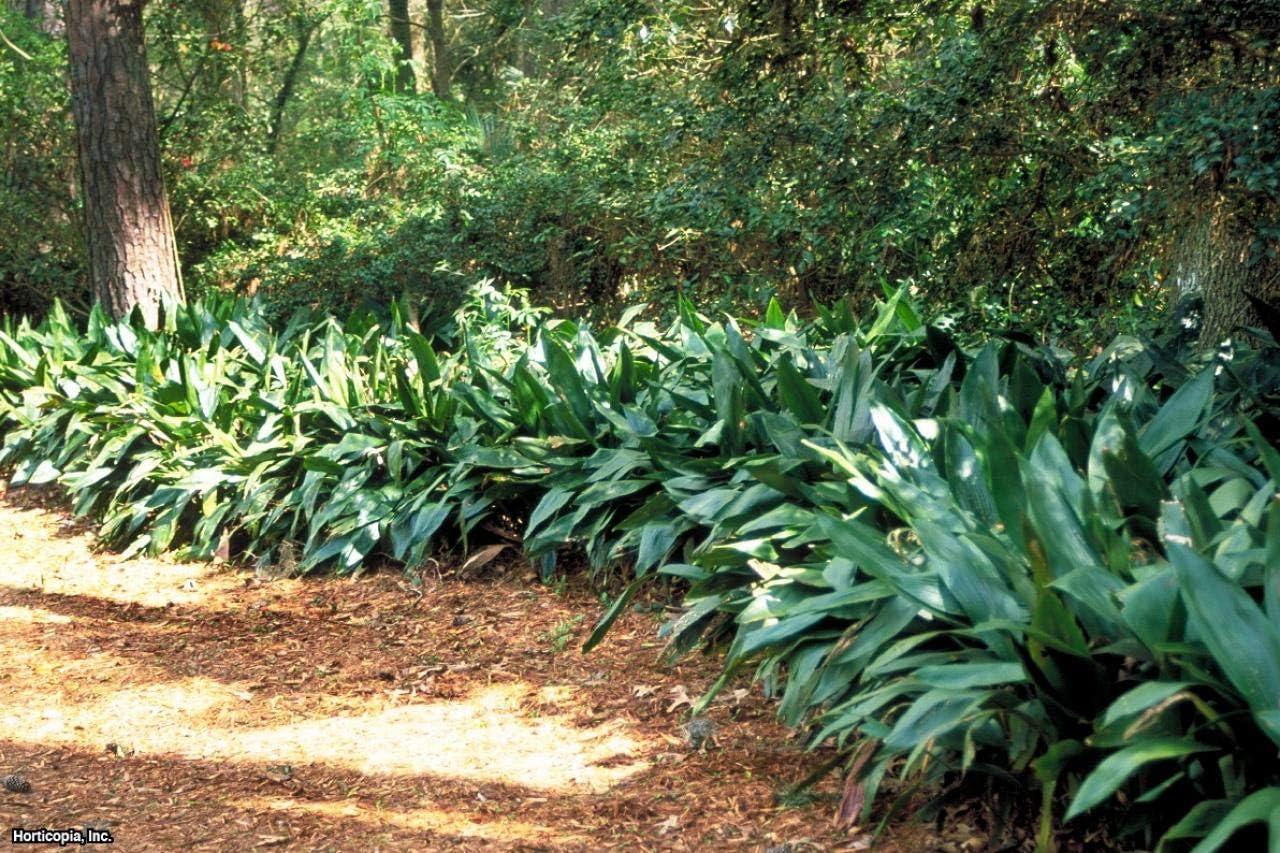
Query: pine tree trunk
[402,33]
[133,259]
[442,62]
[1212,260]
[45,15]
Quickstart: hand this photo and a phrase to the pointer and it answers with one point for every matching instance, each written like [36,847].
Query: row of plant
[997,562]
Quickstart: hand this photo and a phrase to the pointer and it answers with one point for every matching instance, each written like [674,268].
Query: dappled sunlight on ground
[486,735]
[194,707]
[433,820]
[31,615]
[483,737]
[42,553]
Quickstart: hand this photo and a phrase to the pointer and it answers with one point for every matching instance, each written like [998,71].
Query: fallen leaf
[482,557]
[679,697]
[271,840]
[855,792]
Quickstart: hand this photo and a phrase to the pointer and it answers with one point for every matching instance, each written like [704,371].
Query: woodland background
[1062,167]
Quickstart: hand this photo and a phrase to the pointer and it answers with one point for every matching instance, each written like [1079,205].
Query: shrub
[1001,562]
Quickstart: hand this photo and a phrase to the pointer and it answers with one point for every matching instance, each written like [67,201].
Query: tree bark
[442,62]
[1212,260]
[133,258]
[45,15]
[402,33]
[305,30]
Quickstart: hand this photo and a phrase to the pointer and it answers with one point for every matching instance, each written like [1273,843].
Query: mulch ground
[191,706]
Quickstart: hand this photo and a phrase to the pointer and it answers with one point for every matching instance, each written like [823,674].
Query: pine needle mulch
[190,706]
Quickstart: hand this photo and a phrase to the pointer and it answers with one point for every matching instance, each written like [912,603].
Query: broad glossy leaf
[1179,416]
[798,396]
[1260,806]
[1141,698]
[932,715]
[962,676]
[1117,768]
[860,543]
[656,541]
[1244,642]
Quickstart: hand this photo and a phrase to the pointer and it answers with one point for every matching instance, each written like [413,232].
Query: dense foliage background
[1040,164]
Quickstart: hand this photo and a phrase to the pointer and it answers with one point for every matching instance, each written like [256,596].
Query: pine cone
[700,732]
[16,784]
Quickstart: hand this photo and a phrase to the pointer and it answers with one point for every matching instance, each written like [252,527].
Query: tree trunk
[45,15]
[305,30]
[1212,260]
[442,63]
[402,33]
[133,259]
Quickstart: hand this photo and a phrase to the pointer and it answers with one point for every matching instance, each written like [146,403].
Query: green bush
[1077,613]
[41,247]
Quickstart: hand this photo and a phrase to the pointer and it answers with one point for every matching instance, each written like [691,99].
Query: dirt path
[183,706]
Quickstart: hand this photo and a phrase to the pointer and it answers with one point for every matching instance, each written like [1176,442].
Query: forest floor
[195,706]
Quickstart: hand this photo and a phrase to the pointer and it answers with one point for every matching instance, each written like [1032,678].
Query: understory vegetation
[987,561]
[1058,167]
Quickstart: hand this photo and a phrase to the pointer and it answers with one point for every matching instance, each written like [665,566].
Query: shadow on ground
[191,707]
